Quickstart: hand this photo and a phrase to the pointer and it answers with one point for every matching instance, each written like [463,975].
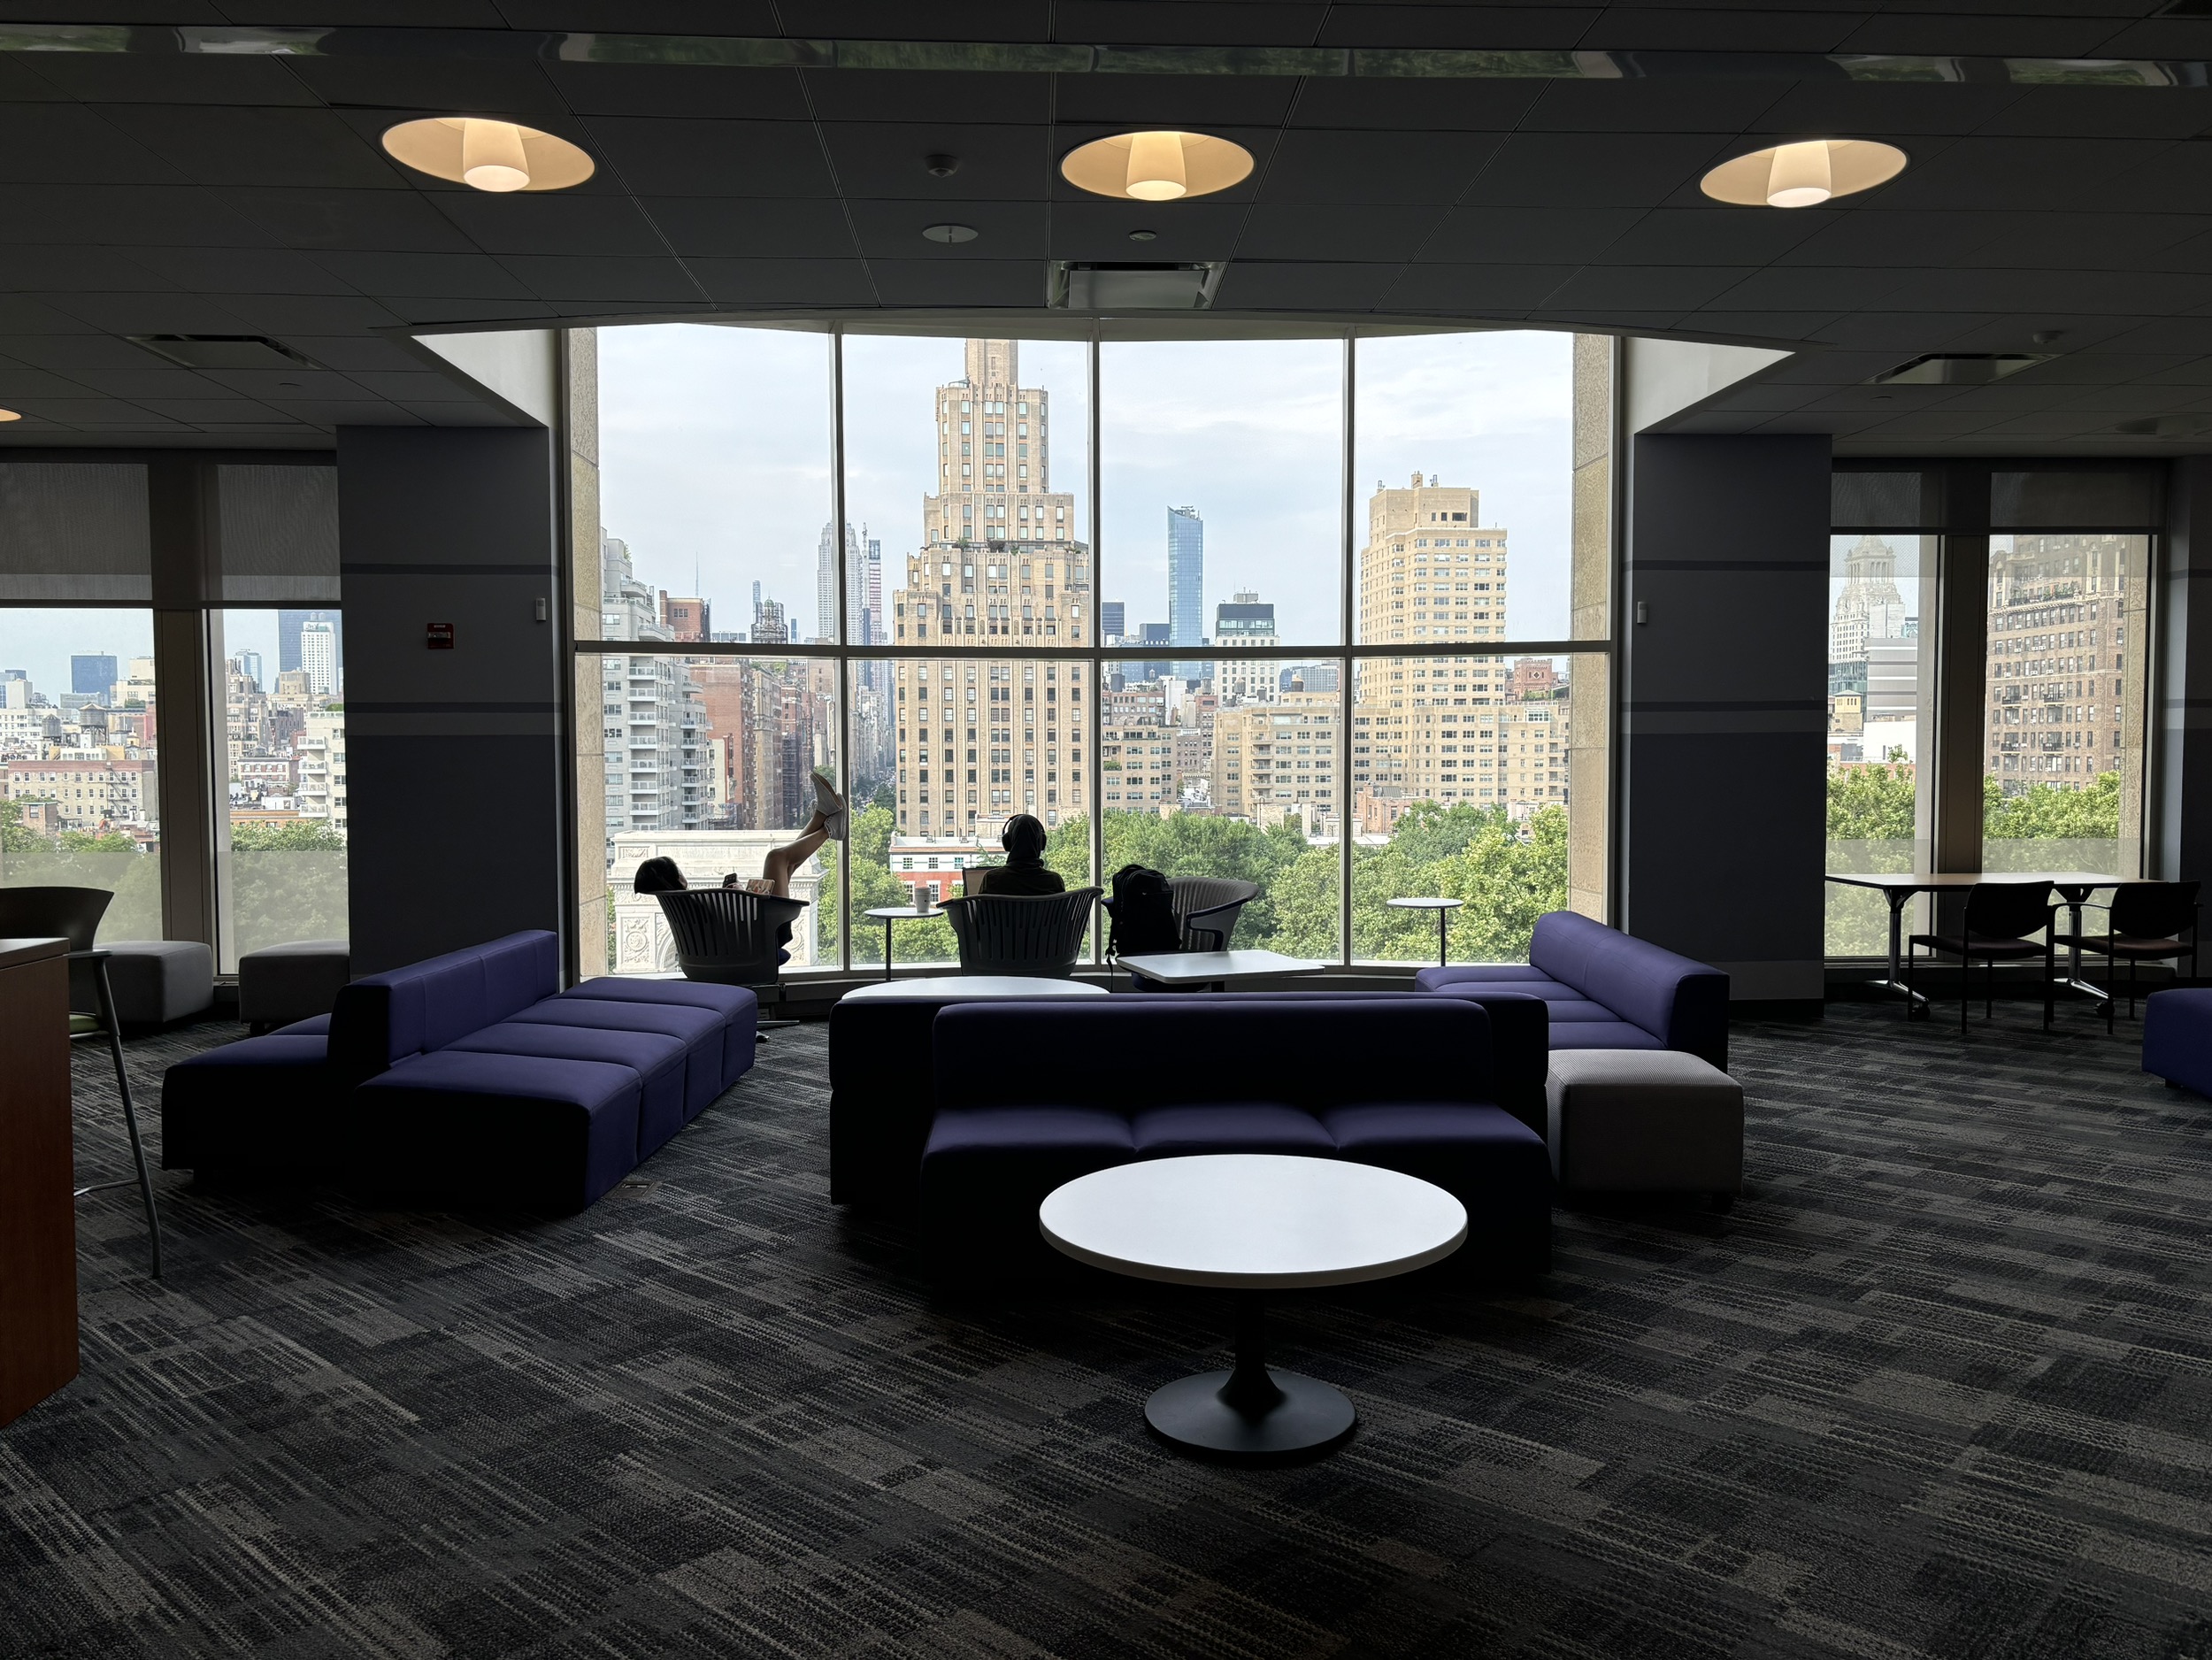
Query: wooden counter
[38,1217]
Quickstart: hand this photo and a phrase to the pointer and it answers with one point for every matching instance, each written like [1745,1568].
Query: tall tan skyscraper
[1448,724]
[979,738]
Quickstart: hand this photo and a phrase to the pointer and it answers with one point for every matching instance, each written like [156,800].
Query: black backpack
[1143,910]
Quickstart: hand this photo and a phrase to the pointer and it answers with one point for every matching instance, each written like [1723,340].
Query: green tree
[301,835]
[1870,803]
[287,882]
[875,884]
[2053,811]
[15,836]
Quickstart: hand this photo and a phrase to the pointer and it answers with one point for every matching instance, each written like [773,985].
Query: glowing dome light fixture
[1157,166]
[498,156]
[1805,174]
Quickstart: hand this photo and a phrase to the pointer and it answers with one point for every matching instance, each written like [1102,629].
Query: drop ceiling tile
[1806,288]
[1473,290]
[81,270]
[352,354]
[734,228]
[579,279]
[1187,22]
[1927,424]
[2031,173]
[1528,236]
[1875,241]
[274,386]
[438,413]
[664,90]
[1718,107]
[1005,230]
[2013,36]
[1709,236]
[2159,37]
[244,148]
[1284,286]
[380,221]
[1590,170]
[684,156]
[1669,288]
[898,20]
[423,309]
[142,383]
[911,95]
[2110,241]
[66,143]
[2052,293]
[149,313]
[1903,333]
[16,384]
[308,313]
[426,85]
[885,159]
[1798,327]
[2168,113]
[794,283]
[360,413]
[417,385]
[220,271]
[2176,176]
[747,19]
[1767,398]
[1899,112]
[2124,401]
[1485,28]
[477,14]
[2195,374]
[1191,102]
[124,215]
[1332,234]
[85,411]
[21,83]
[195,410]
[1096,228]
[550,224]
[2170,333]
[1743,29]
[1425,106]
[383,276]
[77,355]
[1368,168]
[993,282]
[186,78]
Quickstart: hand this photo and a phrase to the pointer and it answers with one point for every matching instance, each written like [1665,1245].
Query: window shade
[2101,498]
[75,532]
[1895,500]
[278,526]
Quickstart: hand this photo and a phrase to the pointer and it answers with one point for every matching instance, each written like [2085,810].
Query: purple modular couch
[467,1079]
[879,1110]
[1605,990]
[2177,1037]
[1033,1094]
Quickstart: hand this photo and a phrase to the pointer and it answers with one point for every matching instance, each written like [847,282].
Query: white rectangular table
[1215,970]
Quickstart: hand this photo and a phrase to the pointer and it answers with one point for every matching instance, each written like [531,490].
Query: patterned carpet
[1941,1386]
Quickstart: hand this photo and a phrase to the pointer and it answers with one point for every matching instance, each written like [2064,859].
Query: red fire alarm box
[439,636]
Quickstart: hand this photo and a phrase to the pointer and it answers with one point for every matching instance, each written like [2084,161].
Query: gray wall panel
[1724,705]
[454,756]
[2181,709]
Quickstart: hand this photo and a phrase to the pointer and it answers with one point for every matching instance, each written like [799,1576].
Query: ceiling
[183,169]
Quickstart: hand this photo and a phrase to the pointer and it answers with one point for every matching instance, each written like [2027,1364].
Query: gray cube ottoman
[1645,1121]
[279,984]
[157,982]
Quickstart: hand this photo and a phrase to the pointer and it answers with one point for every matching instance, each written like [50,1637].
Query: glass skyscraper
[1186,586]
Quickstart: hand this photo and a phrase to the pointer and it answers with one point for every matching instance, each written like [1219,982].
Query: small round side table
[1443,909]
[889,914]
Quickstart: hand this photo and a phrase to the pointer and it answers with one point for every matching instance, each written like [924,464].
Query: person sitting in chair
[777,866]
[1024,873]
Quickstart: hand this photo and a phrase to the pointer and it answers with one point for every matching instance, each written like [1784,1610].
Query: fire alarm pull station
[439,636]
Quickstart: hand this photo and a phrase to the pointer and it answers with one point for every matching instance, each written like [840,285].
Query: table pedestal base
[1251,1415]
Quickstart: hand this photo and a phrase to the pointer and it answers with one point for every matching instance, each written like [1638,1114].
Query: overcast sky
[714,454]
[42,642]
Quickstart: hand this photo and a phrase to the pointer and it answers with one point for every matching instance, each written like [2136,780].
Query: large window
[1148,590]
[79,719]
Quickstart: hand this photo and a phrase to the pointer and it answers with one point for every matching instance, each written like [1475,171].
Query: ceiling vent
[1960,368]
[224,351]
[1074,287]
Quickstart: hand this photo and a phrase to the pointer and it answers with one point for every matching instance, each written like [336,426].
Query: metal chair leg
[1989,989]
[130,1112]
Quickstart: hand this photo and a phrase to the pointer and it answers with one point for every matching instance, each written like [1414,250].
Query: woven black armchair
[727,936]
[1019,934]
[1206,909]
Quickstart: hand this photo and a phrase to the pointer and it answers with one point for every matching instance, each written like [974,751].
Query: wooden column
[38,1216]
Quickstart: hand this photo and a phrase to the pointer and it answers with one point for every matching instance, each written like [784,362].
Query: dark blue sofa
[470,1078]
[1033,1094]
[2177,1037]
[882,1097]
[1605,990]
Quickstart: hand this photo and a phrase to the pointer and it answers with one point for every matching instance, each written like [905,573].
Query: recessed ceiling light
[950,233]
[494,155]
[11,415]
[1806,173]
[1157,166]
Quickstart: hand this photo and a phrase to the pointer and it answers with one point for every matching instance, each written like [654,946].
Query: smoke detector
[1073,286]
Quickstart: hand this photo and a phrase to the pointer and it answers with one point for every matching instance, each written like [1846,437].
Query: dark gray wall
[1725,705]
[453,757]
[2180,800]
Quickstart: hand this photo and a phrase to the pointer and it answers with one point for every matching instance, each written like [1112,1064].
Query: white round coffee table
[1251,1223]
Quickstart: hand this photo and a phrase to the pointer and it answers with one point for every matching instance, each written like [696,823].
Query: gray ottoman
[157,982]
[1645,1121]
[279,984]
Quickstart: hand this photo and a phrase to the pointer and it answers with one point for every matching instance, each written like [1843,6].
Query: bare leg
[779,864]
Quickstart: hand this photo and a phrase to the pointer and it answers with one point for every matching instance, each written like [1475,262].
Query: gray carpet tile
[1941,1386]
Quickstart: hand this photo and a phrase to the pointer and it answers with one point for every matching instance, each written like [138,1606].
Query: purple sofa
[1605,990]
[2177,1037]
[470,1078]
[1033,1094]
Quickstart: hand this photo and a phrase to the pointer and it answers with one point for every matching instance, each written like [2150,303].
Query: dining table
[1900,887]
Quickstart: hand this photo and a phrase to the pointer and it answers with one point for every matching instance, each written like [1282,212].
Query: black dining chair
[74,914]
[1999,917]
[728,936]
[1207,907]
[2145,922]
[1033,935]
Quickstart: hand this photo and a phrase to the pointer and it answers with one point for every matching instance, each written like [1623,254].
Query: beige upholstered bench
[1643,1121]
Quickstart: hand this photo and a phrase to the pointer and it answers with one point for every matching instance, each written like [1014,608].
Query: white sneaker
[831,805]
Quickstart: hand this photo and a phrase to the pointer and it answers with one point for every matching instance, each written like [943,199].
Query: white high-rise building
[318,656]
[653,714]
